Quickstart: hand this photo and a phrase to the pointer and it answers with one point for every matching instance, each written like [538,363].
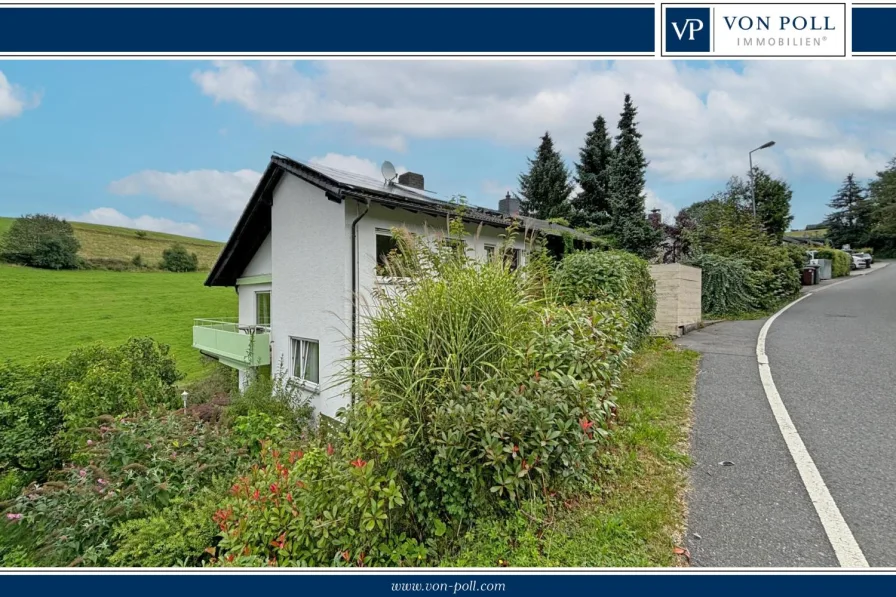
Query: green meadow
[49,313]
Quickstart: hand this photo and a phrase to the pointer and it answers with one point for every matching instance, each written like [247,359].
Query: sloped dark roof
[255,222]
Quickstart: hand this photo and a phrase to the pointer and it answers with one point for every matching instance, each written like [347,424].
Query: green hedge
[614,275]
[728,285]
[840,260]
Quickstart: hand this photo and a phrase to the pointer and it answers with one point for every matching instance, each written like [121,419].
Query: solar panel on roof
[369,183]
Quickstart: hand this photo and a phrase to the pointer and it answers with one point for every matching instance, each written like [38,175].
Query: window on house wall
[456,244]
[385,245]
[306,360]
[263,308]
[513,258]
[489,252]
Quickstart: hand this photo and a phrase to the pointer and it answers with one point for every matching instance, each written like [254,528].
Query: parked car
[858,262]
[867,257]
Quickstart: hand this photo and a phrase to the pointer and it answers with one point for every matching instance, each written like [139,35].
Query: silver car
[866,257]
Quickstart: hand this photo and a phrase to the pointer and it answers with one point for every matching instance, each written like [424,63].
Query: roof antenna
[389,172]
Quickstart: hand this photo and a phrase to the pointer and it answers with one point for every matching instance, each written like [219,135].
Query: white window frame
[257,293]
[301,343]
[490,251]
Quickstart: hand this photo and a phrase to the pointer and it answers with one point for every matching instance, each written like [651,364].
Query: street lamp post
[752,181]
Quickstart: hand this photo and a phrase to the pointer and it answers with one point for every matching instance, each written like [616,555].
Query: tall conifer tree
[546,187]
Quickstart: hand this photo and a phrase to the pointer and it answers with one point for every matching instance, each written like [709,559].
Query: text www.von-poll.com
[470,586]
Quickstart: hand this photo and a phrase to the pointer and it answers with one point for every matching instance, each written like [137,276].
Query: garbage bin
[809,276]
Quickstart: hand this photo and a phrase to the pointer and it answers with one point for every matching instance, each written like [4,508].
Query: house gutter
[355,288]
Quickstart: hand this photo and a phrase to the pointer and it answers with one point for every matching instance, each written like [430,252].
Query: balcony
[235,345]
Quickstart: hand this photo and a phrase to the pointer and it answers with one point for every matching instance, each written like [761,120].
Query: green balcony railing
[233,344]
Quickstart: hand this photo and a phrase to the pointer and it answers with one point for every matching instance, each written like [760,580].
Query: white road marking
[847,550]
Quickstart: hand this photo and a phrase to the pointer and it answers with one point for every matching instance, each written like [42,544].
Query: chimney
[411,179]
[509,206]
[654,217]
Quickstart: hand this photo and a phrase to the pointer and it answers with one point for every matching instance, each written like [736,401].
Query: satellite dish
[388,171]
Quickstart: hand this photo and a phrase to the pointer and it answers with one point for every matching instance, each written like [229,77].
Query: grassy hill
[50,313]
[820,233]
[122,244]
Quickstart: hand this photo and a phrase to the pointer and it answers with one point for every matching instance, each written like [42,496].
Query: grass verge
[637,516]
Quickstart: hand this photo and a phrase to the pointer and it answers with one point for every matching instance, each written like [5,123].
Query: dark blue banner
[375,585]
[342,31]
[873,29]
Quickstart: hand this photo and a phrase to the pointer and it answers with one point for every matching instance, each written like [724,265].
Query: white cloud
[697,122]
[217,197]
[14,100]
[352,163]
[112,217]
[495,190]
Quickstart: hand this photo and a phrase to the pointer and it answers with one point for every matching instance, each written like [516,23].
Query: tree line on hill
[48,242]
[865,215]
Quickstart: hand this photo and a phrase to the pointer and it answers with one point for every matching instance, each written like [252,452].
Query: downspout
[355,288]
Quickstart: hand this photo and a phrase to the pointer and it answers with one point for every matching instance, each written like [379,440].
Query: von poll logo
[691,26]
[687,29]
[754,30]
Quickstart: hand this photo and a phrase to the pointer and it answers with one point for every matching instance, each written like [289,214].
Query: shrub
[178,535]
[277,399]
[108,264]
[141,233]
[775,276]
[30,417]
[540,432]
[129,378]
[797,254]
[177,259]
[253,429]
[840,260]
[314,508]
[42,406]
[138,467]
[137,261]
[42,241]
[10,484]
[727,285]
[613,275]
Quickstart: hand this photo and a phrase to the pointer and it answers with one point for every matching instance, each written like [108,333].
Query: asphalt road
[833,358]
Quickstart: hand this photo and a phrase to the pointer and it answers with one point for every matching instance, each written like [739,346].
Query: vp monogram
[691,26]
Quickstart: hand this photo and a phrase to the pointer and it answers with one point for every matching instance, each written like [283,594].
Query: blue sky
[177,145]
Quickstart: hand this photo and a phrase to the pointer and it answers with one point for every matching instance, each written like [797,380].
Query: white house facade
[303,259]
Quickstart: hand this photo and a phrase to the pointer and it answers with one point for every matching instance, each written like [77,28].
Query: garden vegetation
[480,392]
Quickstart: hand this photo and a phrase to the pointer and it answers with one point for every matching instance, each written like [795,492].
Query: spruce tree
[592,204]
[546,187]
[628,220]
[846,223]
